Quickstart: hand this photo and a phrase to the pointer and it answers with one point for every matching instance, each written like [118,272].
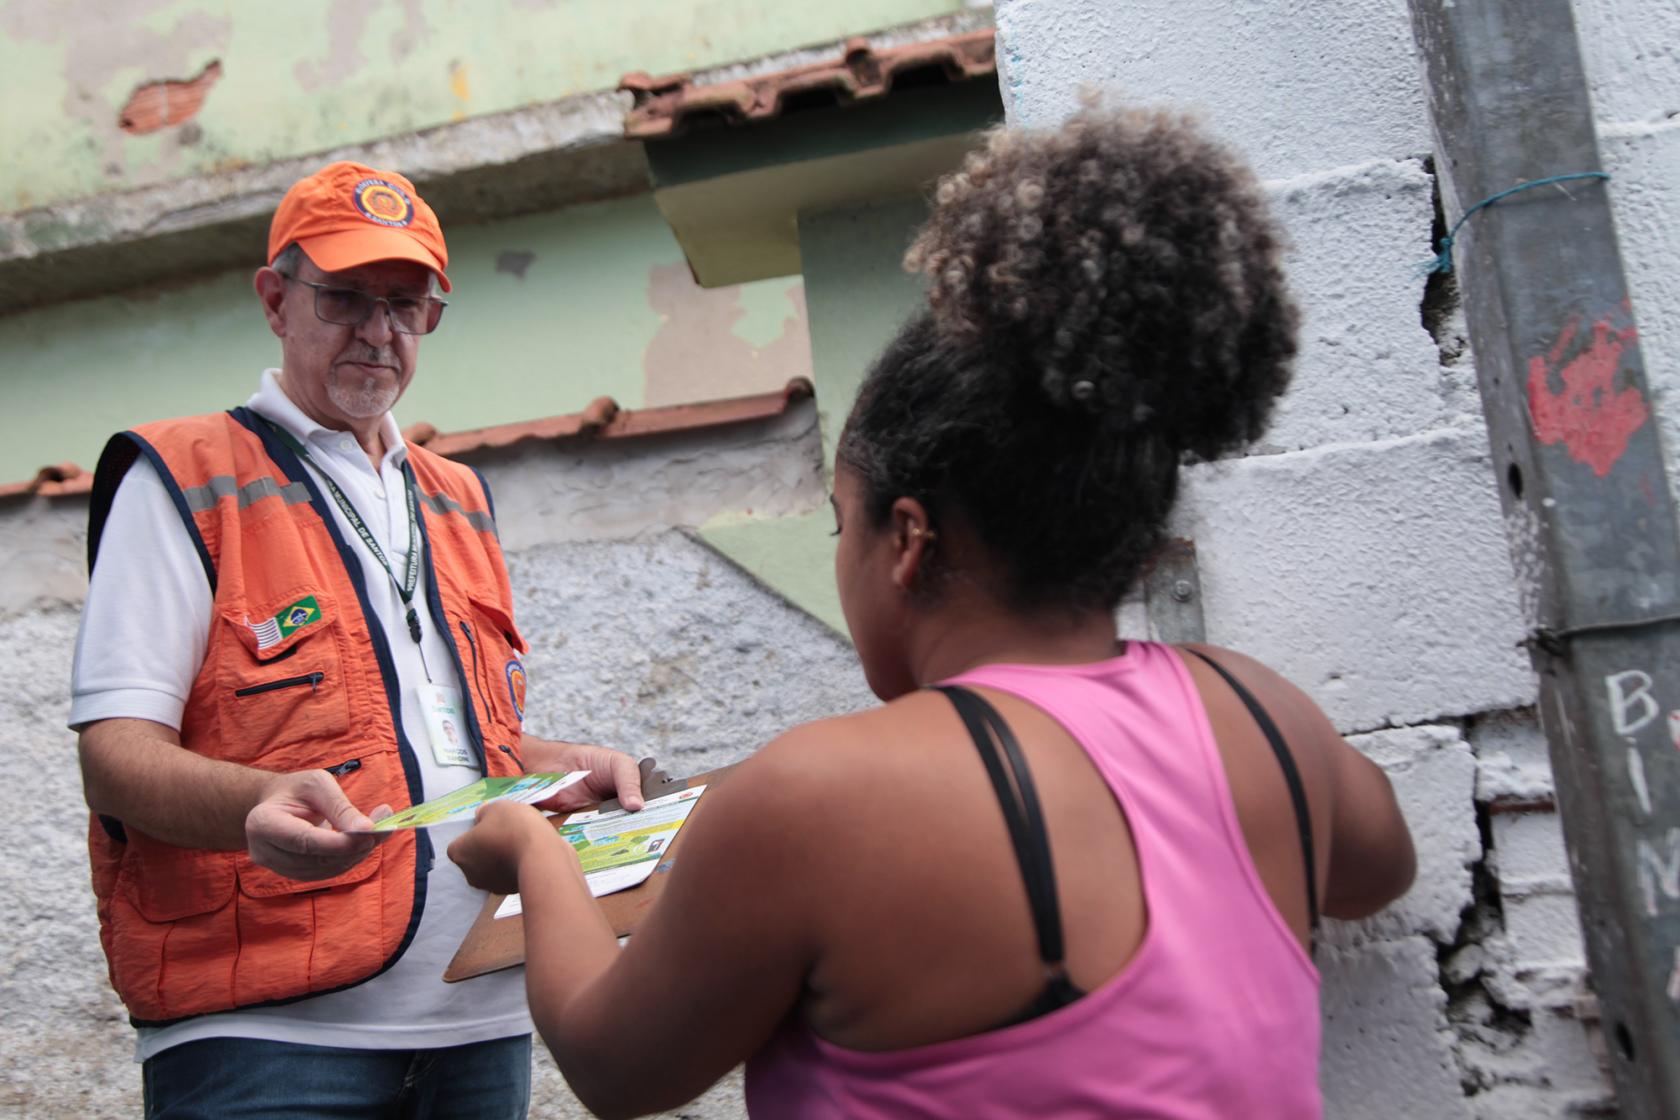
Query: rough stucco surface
[620,490]
[65,1036]
[43,552]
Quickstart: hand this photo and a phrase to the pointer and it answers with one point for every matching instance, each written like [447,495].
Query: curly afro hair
[1105,300]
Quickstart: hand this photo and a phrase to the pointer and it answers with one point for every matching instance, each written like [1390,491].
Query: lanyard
[411,574]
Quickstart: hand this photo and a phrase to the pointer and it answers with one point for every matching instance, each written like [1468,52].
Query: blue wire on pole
[1443,259]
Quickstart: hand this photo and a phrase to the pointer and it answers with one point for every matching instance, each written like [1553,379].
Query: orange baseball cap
[349,214]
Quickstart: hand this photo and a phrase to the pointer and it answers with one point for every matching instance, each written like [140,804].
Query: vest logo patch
[273,631]
[516,687]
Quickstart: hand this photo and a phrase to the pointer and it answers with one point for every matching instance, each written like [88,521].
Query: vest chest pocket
[280,682]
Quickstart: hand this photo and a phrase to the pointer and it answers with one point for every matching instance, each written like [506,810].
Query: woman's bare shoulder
[825,765]
[1297,714]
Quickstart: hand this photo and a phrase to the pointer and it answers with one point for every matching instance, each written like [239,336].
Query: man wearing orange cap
[288,610]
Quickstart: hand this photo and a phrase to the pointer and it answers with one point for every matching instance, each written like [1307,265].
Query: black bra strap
[1291,776]
[1021,813]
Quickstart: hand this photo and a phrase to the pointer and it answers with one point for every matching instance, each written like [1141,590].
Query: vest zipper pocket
[513,754]
[313,680]
[344,768]
[478,679]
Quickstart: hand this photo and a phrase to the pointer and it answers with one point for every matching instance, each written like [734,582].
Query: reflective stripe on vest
[200,498]
[443,503]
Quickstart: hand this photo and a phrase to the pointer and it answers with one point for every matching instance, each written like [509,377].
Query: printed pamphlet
[460,805]
[620,849]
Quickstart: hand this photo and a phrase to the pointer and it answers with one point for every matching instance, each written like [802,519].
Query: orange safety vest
[296,676]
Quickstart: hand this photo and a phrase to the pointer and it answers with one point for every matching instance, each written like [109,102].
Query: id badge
[446,725]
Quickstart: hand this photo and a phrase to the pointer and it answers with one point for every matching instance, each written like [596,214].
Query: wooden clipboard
[493,943]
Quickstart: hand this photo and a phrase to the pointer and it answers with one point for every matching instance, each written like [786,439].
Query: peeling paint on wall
[460,87]
[158,105]
[514,262]
[697,353]
[315,74]
[98,57]
[343,58]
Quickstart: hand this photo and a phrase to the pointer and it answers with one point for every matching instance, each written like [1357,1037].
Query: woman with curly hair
[1055,874]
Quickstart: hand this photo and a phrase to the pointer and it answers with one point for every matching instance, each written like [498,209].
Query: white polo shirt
[141,644]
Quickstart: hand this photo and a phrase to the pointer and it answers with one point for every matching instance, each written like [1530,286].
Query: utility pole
[1588,512]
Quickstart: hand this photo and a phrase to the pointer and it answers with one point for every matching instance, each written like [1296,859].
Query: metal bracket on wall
[1172,594]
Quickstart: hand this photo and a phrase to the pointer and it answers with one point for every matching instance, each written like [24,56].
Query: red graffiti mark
[1591,417]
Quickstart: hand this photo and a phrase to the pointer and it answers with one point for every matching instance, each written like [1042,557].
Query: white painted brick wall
[1388,1049]
[1645,198]
[1299,85]
[1631,50]
[1361,551]
[1374,575]
[1368,369]
[1434,776]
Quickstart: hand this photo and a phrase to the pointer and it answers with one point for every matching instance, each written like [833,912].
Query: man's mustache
[371,357]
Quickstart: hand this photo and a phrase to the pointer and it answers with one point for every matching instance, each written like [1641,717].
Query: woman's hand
[503,835]
[611,773]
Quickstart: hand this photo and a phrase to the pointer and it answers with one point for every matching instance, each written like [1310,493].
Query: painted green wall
[577,326]
[311,75]
[859,294]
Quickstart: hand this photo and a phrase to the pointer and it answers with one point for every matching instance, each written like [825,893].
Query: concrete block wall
[1359,547]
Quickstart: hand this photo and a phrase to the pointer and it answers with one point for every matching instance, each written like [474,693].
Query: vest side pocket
[172,917]
[500,650]
[165,883]
[260,882]
[313,936]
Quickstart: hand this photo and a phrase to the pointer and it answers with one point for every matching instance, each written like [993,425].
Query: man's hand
[611,773]
[300,828]
[489,853]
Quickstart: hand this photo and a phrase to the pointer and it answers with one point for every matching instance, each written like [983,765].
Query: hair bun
[1123,263]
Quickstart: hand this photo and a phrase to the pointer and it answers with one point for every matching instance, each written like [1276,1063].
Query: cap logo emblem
[382,202]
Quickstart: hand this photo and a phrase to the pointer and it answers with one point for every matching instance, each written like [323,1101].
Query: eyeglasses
[350,307]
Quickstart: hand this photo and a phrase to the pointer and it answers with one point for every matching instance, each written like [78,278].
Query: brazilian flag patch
[273,631]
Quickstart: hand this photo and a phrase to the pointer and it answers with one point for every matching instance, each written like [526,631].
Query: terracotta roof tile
[601,419]
[52,482]
[669,105]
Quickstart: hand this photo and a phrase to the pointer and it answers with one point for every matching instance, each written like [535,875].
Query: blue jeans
[255,1079]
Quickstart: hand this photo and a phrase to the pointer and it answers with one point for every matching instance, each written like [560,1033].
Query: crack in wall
[1475,1015]
[1442,306]
[1511,1018]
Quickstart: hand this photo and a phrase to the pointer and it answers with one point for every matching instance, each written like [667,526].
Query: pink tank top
[1215,1017]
